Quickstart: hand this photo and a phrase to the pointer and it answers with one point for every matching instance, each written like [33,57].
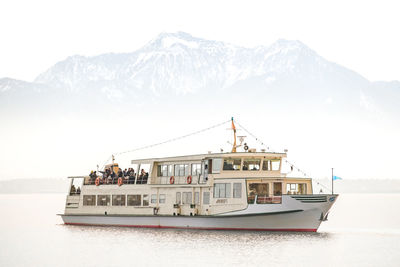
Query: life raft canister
[189,179]
[97,181]
[120,181]
[172,180]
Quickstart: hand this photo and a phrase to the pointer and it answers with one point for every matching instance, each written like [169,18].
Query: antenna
[234,137]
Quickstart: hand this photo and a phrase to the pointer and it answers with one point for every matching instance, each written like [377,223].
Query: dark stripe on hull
[186,216]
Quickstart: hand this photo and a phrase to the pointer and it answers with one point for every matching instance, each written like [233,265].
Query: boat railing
[181,180]
[114,181]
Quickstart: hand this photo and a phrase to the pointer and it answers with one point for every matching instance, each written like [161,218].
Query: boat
[235,190]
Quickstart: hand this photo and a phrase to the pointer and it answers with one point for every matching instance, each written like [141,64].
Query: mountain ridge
[178,64]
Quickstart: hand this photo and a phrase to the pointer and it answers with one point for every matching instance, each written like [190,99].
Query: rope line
[168,141]
[318,183]
[292,165]
[255,137]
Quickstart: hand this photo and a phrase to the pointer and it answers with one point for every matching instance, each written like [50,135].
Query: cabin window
[232,164]
[251,164]
[237,190]
[134,200]
[275,164]
[187,197]
[293,189]
[261,190]
[89,200]
[162,199]
[153,199]
[277,189]
[145,200]
[196,198]
[162,170]
[222,190]
[206,198]
[182,170]
[103,200]
[266,165]
[178,198]
[196,169]
[118,200]
[216,165]
[170,170]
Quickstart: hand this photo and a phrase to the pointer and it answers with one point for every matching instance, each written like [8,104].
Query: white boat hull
[303,217]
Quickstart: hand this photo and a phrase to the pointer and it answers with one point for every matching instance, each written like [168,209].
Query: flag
[337,178]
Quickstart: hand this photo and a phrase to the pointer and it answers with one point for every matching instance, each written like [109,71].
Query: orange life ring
[189,179]
[172,180]
[97,181]
[120,181]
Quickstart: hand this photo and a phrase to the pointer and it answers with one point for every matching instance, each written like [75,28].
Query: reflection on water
[360,231]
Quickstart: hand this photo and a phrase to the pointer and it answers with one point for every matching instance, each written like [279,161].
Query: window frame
[145,200]
[197,169]
[84,203]
[251,159]
[162,198]
[153,199]
[233,164]
[206,197]
[140,200]
[108,200]
[122,200]
[222,190]
[237,192]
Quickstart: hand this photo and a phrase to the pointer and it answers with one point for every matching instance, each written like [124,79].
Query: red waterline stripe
[201,228]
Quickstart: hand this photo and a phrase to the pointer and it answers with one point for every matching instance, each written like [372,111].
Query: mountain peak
[166,40]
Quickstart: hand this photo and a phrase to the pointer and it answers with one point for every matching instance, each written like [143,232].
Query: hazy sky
[361,35]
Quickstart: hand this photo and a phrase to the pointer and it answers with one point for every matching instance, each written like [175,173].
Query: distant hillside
[34,186]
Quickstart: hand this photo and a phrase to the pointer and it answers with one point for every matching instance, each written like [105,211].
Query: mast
[332,181]
[234,137]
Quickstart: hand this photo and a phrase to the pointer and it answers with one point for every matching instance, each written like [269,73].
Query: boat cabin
[197,184]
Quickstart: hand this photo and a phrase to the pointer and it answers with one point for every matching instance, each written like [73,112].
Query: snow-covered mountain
[178,64]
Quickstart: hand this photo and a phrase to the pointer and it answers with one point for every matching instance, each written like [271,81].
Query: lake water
[363,230]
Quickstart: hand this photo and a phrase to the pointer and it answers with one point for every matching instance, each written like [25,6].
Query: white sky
[361,35]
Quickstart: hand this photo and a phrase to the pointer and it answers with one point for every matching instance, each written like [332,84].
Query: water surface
[363,230]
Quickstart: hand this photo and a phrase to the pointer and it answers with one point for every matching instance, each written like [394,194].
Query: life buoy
[172,180]
[189,179]
[120,181]
[97,181]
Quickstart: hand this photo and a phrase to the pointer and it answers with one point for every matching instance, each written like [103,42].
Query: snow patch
[167,42]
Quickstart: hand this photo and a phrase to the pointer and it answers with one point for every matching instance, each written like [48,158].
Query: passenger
[78,191]
[73,190]
[145,177]
[125,172]
[131,176]
[111,176]
[141,177]
[93,177]
[120,173]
